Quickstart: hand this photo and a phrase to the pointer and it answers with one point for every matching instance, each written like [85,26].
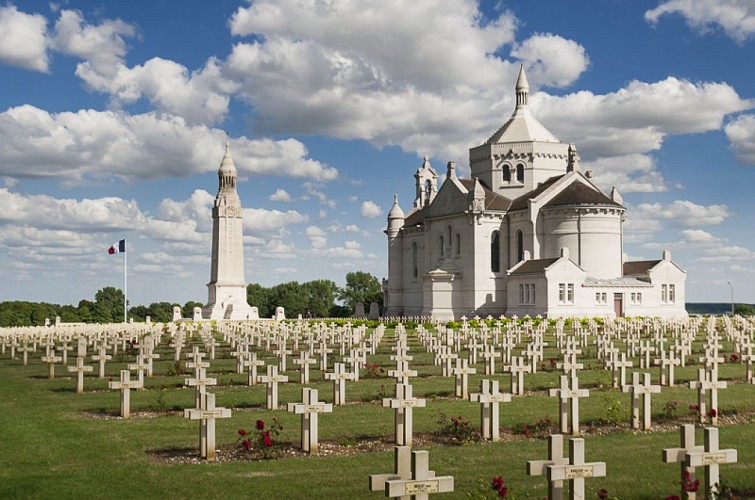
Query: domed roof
[395,212]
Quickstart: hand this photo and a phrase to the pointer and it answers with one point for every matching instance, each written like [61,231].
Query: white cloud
[262,221]
[651,217]
[23,41]
[280,195]
[741,134]
[635,119]
[699,237]
[633,173]
[551,59]
[102,45]
[727,254]
[317,237]
[735,17]
[370,209]
[91,144]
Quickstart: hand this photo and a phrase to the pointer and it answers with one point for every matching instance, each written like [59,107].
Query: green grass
[52,447]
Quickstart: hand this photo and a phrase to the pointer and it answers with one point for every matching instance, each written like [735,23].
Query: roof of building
[578,193]
[534,266]
[521,202]
[625,281]
[522,127]
[415,218]
[639,267]
[493,201]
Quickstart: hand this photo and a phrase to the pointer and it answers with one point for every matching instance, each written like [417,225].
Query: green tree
[361,287]
[108,305]
[319,298]
[290,296]
[744,309]
[187,311]
[258,296]
[86,311]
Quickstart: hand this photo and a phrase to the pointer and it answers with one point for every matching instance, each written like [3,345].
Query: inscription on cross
[641,391]
[403,404]
[555,457]
[577,470]
[423,481]
[125,385]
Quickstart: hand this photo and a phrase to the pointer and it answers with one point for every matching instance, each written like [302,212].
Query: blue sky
[113,117]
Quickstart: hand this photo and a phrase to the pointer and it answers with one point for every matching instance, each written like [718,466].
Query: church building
[528,234]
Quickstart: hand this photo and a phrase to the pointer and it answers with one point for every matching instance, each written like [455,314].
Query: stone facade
[227,286]
[528,234]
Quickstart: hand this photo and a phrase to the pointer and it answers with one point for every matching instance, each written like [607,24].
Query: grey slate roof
[534,266]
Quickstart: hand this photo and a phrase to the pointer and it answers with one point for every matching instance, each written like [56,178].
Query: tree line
[316,299]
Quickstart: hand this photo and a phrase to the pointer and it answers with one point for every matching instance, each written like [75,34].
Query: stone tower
[227,287]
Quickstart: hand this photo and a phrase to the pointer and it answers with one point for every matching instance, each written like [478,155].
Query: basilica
[528,234]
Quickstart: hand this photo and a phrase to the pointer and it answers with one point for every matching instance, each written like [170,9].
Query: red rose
[497,483]
[502,492]
[603,494]
[246,443]
[266,439]
[260,425]
[242,432]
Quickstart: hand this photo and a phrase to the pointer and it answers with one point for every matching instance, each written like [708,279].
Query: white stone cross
[206,416]
[125,385]
[323,351]
[140,367]
[25,349]
[200,383]
[271,381]
[619,365]
[402,371]
[490,354]
[644,390]
[577,470]
[339,378]
[304,361]
[555,457]
[708,381]
[251,362]
[309,409]
[51,359]
[710,459]
[461,378]
[241,352]
[565,394]
[80,368]
[570,365]
[667,364]
[679,455]
[517,368]
[402,469]
[282,354]
[102,356]
[490,398]
[423,482]
[403,404]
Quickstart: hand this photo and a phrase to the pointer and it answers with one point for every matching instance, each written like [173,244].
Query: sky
[114,115]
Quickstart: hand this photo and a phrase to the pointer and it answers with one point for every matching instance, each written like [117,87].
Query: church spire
[227,171]
[522,88]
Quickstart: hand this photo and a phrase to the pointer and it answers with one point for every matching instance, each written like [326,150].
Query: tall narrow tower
[227,288]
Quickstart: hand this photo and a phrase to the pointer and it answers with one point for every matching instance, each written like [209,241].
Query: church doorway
[618,304]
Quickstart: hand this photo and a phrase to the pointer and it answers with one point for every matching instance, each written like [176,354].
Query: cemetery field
[55,443]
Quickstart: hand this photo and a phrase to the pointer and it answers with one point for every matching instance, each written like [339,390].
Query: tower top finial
[522,88]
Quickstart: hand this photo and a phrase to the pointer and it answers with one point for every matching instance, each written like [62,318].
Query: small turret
[395,218]
[426,184]
[227,172]
[572,164]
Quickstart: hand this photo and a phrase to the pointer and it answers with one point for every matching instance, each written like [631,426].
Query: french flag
[119,247]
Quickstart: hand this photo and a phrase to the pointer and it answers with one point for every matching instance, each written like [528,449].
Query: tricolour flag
[119,247]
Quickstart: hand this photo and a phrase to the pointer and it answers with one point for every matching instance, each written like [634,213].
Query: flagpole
[125,282]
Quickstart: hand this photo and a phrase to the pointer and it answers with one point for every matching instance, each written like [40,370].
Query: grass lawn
[55,443]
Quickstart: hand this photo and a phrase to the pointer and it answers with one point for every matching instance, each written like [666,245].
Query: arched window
[414,259]
[428,189]
[458,244]
[519,246]
[448,234]
[506,173]
[440,244]
[520,173]
[495,252]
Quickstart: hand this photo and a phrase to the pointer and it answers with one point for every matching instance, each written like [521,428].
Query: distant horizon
[115,115]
